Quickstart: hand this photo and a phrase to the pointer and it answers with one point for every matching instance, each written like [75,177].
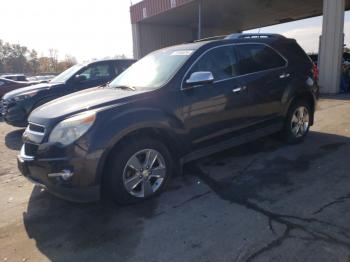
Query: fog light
[65,174]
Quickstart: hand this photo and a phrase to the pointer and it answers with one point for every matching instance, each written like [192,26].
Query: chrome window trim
[234,77]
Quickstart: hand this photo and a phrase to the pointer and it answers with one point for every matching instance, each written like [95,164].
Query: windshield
[152,71]
[65,75]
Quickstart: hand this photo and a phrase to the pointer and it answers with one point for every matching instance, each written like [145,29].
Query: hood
[78,102]
[27,89]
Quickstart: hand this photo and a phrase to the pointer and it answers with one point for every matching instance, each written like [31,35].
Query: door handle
[284,75]
[239,89]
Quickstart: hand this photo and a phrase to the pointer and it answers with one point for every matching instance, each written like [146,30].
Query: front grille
[34,133]
[30,149]
[3,106]
[36,128]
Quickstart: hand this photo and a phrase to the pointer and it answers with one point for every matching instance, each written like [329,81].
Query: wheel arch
[43,100]
[168,138]
[306,96]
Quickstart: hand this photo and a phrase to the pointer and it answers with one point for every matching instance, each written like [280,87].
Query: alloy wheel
[144,173]
[300,122]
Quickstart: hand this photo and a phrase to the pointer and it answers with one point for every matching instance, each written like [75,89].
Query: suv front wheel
[298,121]
[138,170]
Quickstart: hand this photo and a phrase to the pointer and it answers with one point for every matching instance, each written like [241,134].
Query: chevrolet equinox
[175,105]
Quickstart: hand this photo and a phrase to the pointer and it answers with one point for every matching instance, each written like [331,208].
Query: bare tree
[53,55]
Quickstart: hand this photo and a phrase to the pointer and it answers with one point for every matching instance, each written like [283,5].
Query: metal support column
[136,40]
[199,19]
[331,46]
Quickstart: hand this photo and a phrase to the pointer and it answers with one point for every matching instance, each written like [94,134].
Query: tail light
[315,72]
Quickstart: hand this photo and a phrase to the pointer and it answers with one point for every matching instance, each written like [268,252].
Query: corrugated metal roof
[148,8]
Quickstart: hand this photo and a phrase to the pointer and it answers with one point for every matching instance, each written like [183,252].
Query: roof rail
[219,37]
[252,35]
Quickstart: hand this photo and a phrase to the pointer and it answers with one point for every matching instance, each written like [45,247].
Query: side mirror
[200,78]
[80,78]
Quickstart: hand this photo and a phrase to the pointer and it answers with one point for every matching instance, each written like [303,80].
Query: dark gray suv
[173,106]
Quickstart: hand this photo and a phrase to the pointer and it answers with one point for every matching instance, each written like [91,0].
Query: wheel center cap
[145,173]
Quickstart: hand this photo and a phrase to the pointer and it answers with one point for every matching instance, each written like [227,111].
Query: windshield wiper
[126,87]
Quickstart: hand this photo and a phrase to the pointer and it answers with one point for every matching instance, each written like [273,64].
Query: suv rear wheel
[139,170]
[298,121]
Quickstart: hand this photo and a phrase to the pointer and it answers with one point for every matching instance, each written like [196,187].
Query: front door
[213,112]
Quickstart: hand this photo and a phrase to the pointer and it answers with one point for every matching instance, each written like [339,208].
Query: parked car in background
[173,106]
[7,85]
[314,57]
[42,79]
[15,77]
[18,104]
[346,56]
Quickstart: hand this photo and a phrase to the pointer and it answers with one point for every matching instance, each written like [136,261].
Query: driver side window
[96,72]
[221,62]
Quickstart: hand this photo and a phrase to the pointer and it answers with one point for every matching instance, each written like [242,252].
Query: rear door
[265,74]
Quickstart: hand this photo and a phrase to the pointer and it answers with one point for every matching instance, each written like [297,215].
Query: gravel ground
[264,201]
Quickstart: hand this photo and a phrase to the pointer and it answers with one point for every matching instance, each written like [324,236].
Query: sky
[90,29]
[306,32]
[85,29]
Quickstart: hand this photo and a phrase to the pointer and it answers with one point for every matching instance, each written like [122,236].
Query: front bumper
[73,189]
[14,114]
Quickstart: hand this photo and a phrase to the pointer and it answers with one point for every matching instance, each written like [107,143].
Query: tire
[130,179]
[297,124]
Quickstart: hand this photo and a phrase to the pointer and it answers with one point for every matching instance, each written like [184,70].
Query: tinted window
[298,55]
[21,78]
[121,66]
[65,75]
[97,72]
[257,57]
[220,61]
[117,69]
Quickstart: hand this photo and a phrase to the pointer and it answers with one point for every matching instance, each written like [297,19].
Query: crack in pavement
[336,201]
[245,169]
[291,223]
[273,244]
[191,199]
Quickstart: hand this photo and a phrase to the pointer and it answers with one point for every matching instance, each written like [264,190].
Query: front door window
[98,72]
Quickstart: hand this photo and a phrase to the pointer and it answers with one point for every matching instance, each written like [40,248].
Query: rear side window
[121,66]
[117,69]
[220,61]
[297,54]
[257,57]
[21,78]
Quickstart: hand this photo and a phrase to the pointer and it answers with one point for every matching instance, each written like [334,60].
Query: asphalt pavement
[263,201]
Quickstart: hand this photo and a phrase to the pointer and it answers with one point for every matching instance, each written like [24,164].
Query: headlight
[71,129]
[24,96]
